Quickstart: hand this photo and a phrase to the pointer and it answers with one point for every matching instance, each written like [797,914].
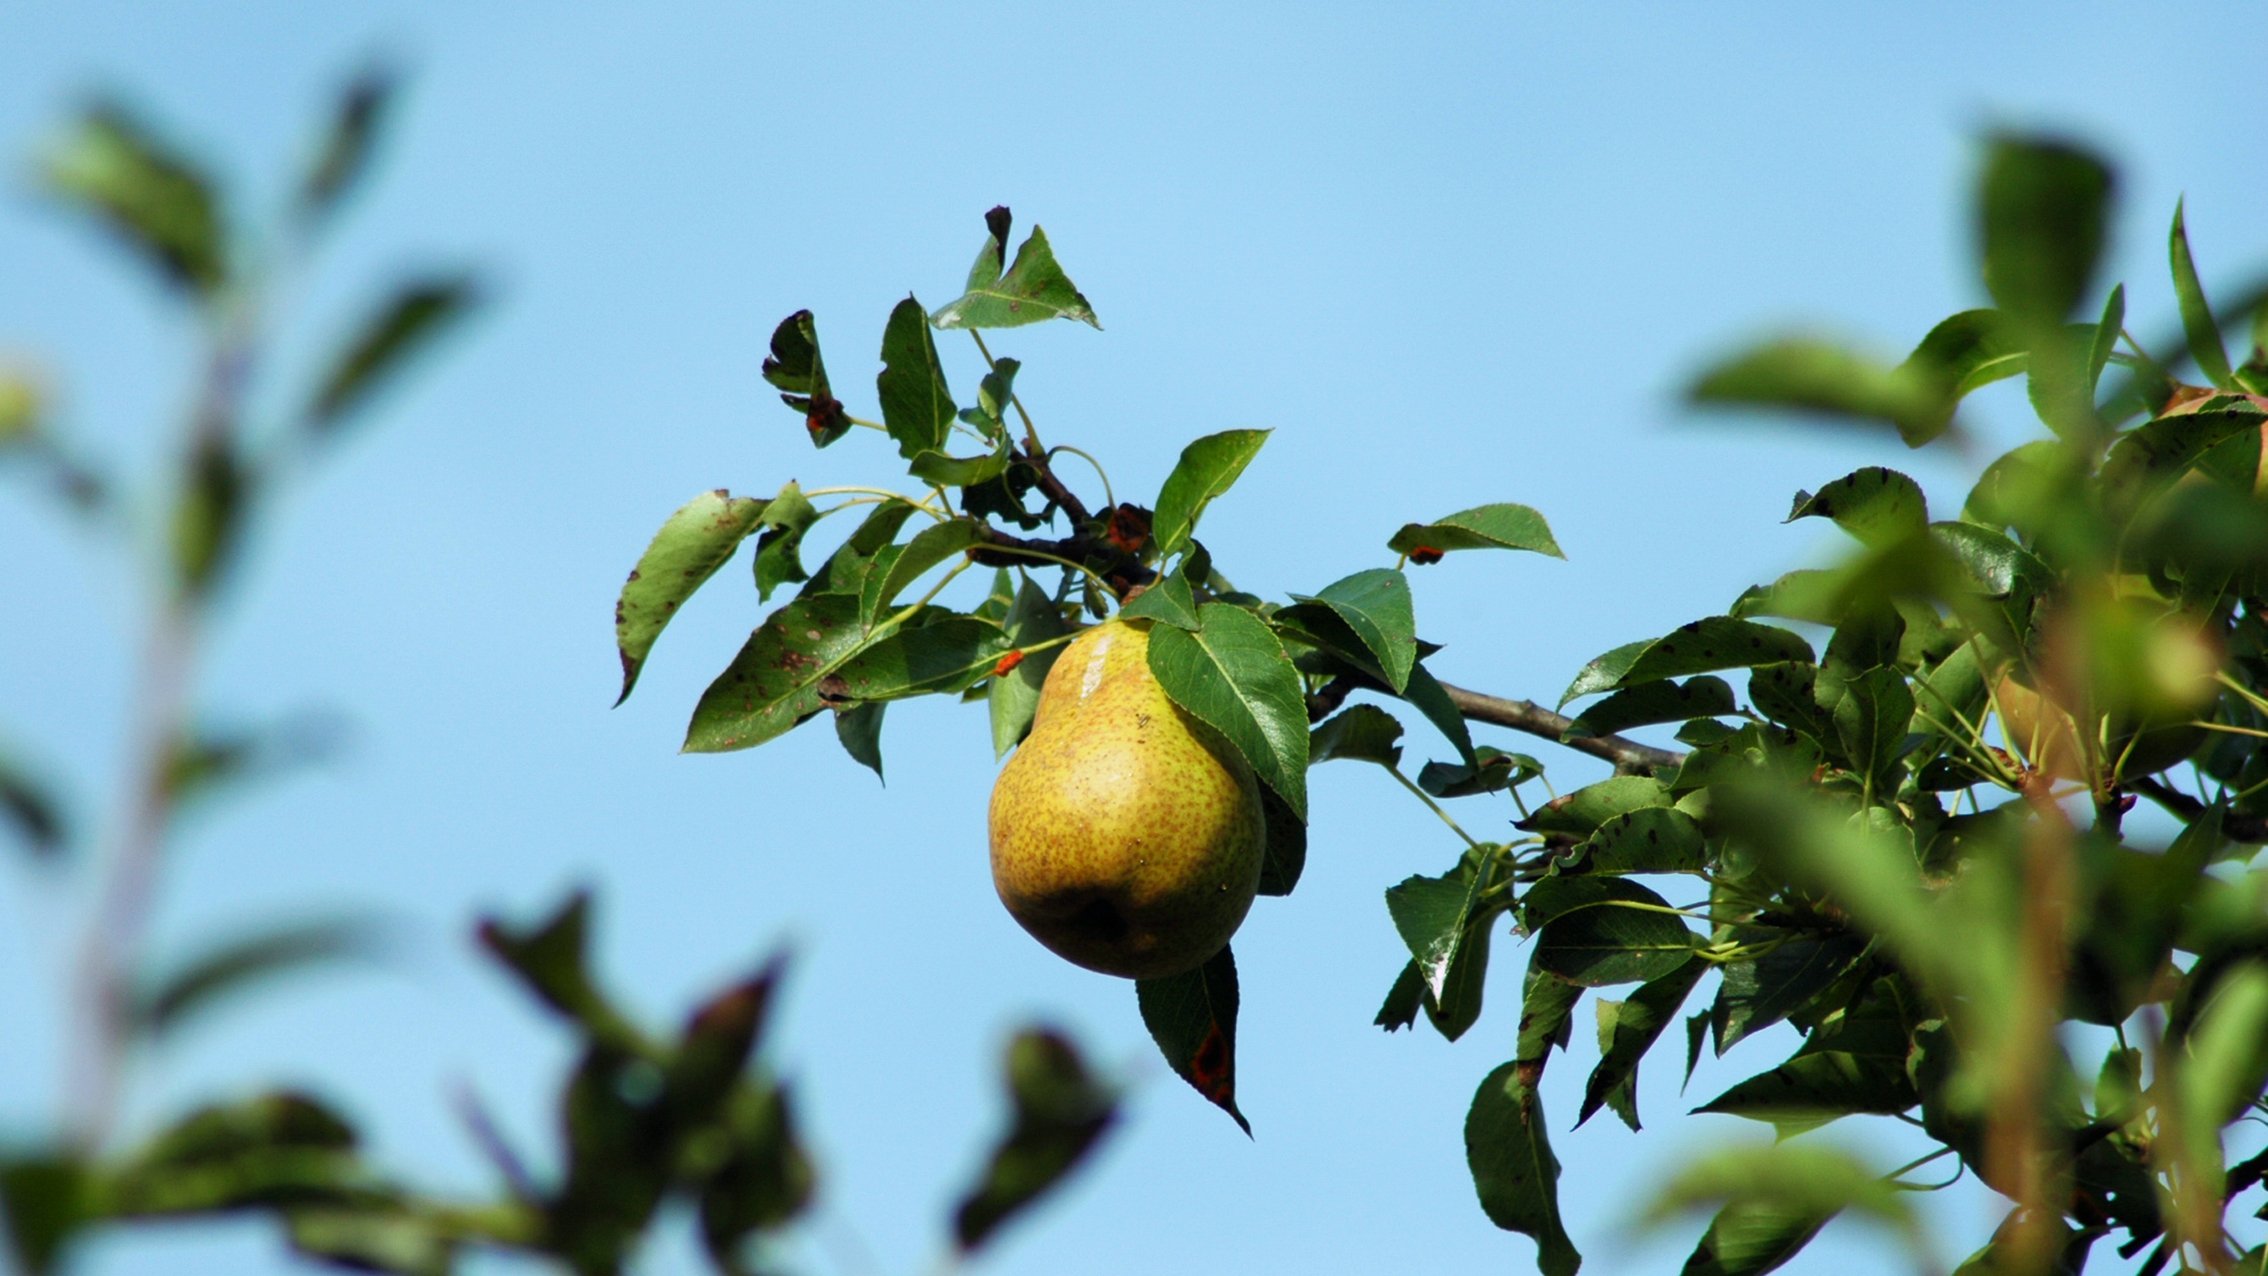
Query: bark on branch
[1533,718]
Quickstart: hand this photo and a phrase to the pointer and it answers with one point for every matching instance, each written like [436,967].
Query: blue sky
[1462,254]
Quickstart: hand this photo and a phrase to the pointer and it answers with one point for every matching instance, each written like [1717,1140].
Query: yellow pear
[1126,835]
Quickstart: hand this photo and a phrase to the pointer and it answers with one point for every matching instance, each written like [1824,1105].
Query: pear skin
[1126,835]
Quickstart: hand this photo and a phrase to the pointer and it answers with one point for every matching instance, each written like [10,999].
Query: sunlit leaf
[153,197]
[773,683]
[1809,374]
[1876,505]
[2197,323]
[1032,618]
[1206,469]
[1033,290]
[692,544]
[1233,676]
[917,407]
[1375,607]
[1626,1033]
[1499,526]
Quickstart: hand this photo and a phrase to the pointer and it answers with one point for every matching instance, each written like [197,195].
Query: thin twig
[1533,718]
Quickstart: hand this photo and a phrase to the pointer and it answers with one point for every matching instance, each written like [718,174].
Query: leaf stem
[1433,806]
[1109,498]
[886,496]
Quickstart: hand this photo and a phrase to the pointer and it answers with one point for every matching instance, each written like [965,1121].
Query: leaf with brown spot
[773,683]
[1192,1017]
[691,545]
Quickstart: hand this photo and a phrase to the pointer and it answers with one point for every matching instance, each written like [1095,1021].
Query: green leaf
[1170,600]
[226,970]
[1757,994]
[46,1198]
[786,517]
[1817,1086]
[1500,526]
[1626,1032]
[1375,606]
[960,471]
[917,406]
[1547,1020]
[773,683]
[2042,208]
[2228,1056]
[764,1183]
[1400,1009]
[944,655]
[1493,772]
[1206,469]
[1060,1111]
[1624,936]
[1652,702]
[117,169]
[1362,733]
[795,366]
[1807,374]
[1657,839]
[1583,811]
[1427,696]
[933,545]
[1233,676]
[1878,506]
[2197,322]
[1701,646]
[1508,1148]
[1967,351]
[1432,915]
[344,154]
[31,806]
[1774,1200]
[275,1149]
[384,343]
[1284,856]
[1034,290]
[209,515]
[377,1238]
[1192,1017]
[551,958]
[1870,723]
[858,728]
[691,545]
[1031,619]
[1458,1007]
[2107,330]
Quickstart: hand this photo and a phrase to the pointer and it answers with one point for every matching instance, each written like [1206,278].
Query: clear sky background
[1451,254]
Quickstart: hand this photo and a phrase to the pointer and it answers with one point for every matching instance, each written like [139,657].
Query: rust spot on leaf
[1007,663]
[1425,554]
[1213,1068]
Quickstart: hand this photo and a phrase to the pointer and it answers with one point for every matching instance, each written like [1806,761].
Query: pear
[1126,835]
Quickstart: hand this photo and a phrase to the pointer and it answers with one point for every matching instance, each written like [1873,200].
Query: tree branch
[1533,718]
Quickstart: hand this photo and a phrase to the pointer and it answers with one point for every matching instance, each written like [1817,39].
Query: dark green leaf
[786,517]
[1362,733]
[1876,505]
[1774,1200]
[2107,330]
[1495,772]
[1192,1017]
[773,683]
[1817,1086]
[1459,1005]
[2042,209]
[1658,839]
[2197,324]
[943,655]
[1233,676]
[1626,1032]
[984,272]
[1034,290]
[1547,1020]
[30,805]
[1508,1149]
[1761,993]
[796,367]
[1625,936]
[1652,702]
[765,1181]
[1581,812]
[691,545]
[346,147]
[1501,526]
[1432,914]
[858,728]
[1870,722]
[960,471]
[1285,854]
[551,959]
[46,1199]
[917,407]
[1169,600]
[1785,694]
[1031,619]
[1428,697]
[1971,349]
[382,1238]
[409,321]
[1375,606]
[280,1148]
[216,488]
[933,545]
[1060,1111]
[1813,375]
[1400,1008]
[154,198]
[1206,469]
[1701,646]
[227,969]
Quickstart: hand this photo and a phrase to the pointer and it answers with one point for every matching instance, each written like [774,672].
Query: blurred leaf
[31,806]
[46,1197]
[1701,646]
[1192,1017]
[227,969]
[943,655]
[1032,618]
[383,344]
[383,1239]
[691,545]
[1432,914]
[1375,606]
[1967,351]
[796,367]
[1500,526]
[1508,1149]
[1060,1111]
[1033,290]
[1233,676]
[1652,702]
[773,683]
[786,517]
[858,728]
[917,406]
[2042,208]
[2107,330]
[1627,935]
[932,545]
[1876,505]
[551,960]
[1361,733]
[216,486]
[765,1180]
[1206,469]
[1284,856]
[275,1149]
[2197,324]
[117,169]
[1812,375]
[23,407]
[2227,1060]
[1774,1200]
[1626,1032]
[345,151]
